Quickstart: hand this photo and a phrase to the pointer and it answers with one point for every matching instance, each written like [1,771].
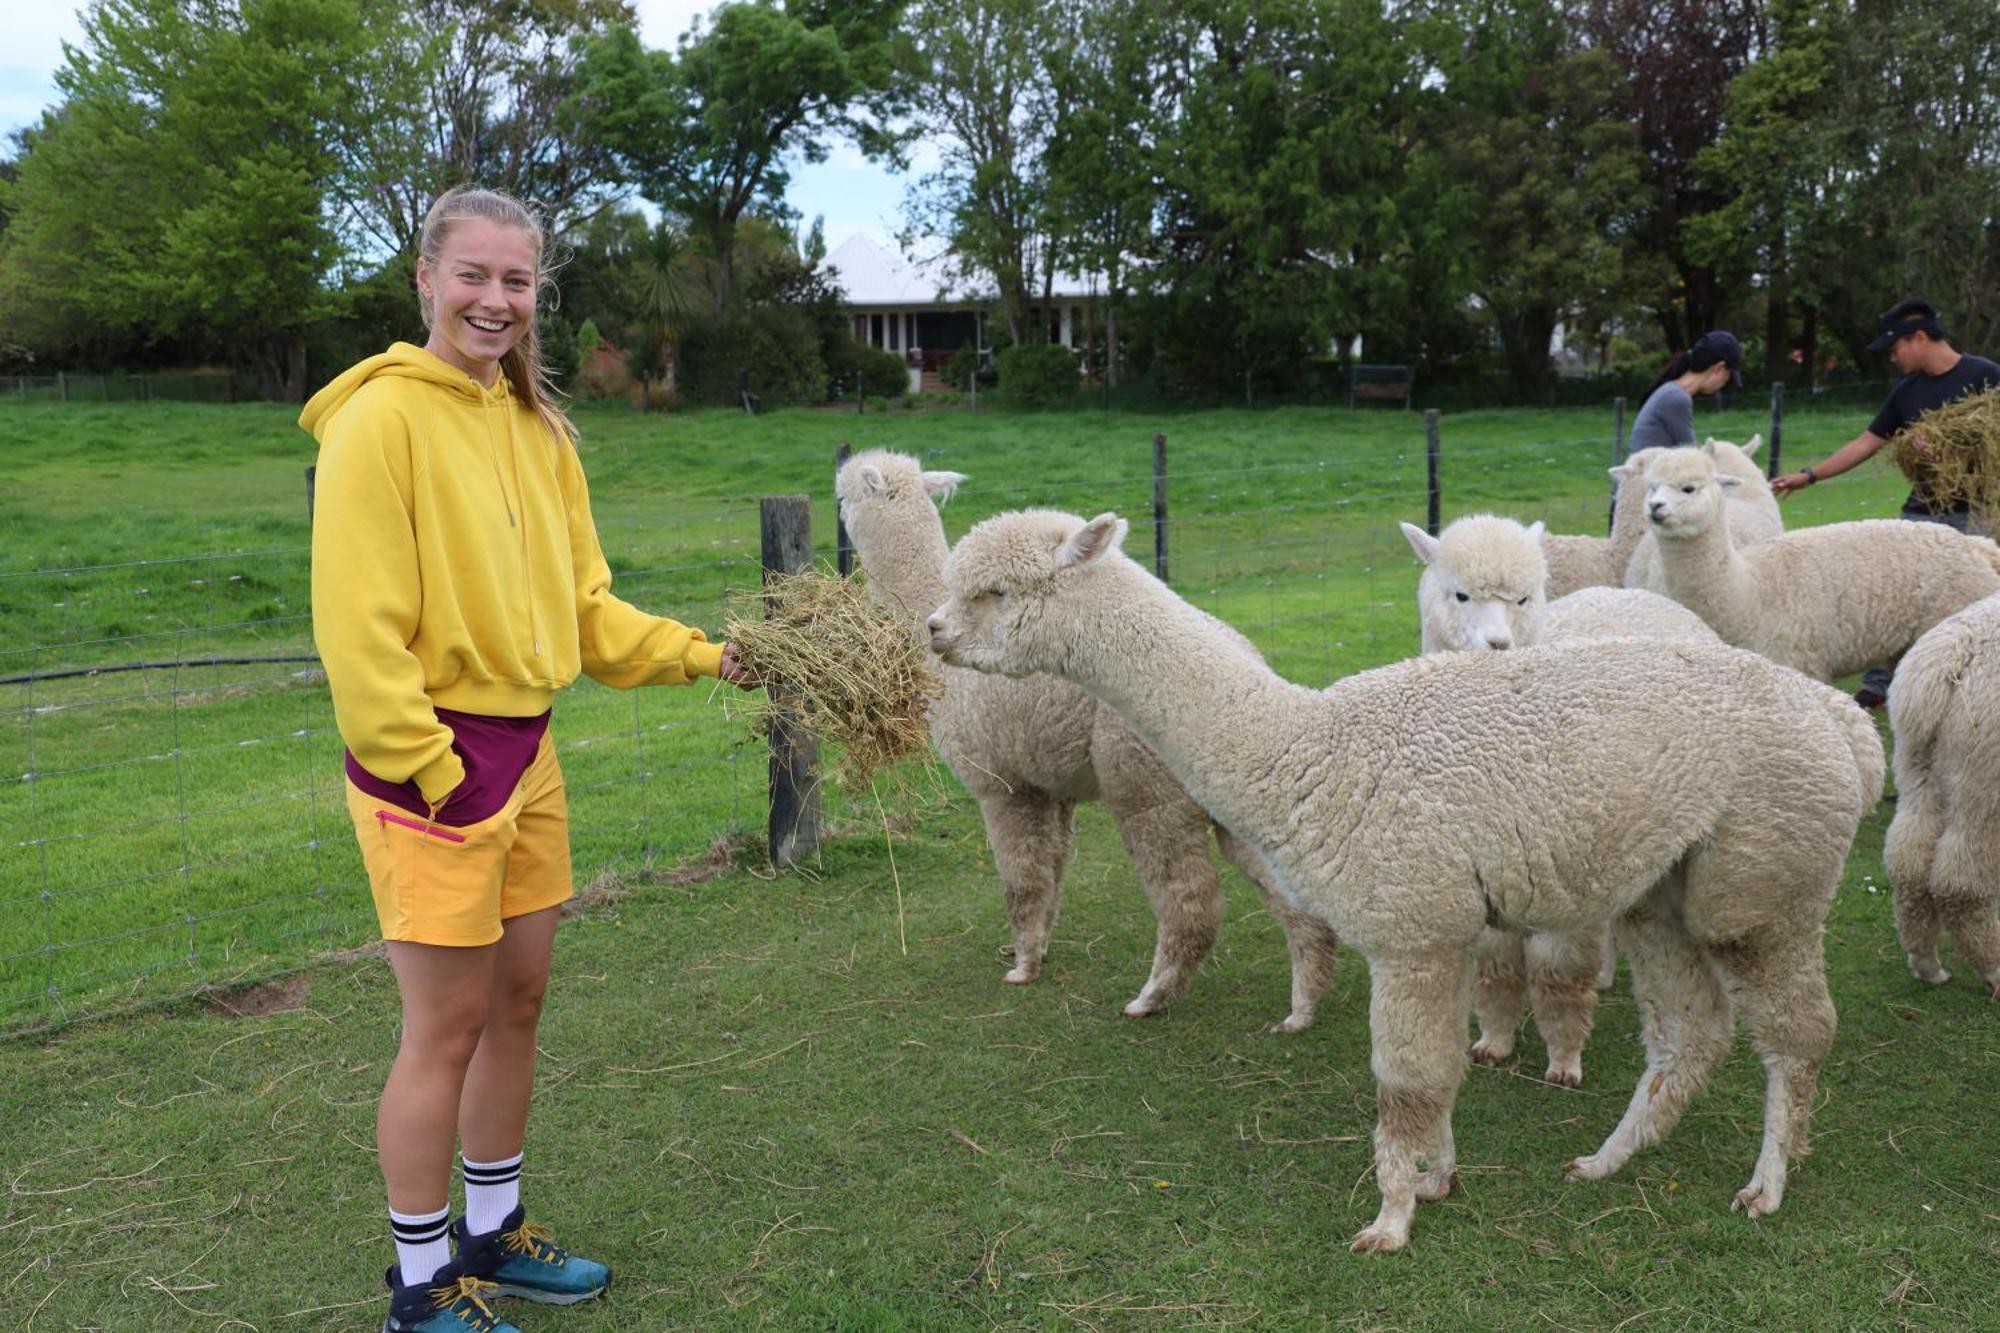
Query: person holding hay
[457,584]
[1934,374]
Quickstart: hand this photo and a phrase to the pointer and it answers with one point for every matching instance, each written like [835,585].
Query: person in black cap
[1666,416]
[1934,373]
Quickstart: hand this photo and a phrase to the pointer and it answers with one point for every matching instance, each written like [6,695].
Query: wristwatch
[1811,476]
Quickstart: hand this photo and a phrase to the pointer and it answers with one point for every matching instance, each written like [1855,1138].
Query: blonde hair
[527,374]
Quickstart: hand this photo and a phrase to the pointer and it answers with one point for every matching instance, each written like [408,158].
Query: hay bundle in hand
[840,666]
[1952,454]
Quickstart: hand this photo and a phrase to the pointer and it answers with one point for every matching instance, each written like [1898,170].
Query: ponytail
[1680,365]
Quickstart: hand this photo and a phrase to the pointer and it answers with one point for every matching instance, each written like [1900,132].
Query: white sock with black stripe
[492,1190]
[421,1247]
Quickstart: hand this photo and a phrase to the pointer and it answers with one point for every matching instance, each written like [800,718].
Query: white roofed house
[913,309]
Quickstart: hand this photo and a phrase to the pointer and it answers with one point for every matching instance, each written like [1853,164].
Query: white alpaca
[1700,796]
[1943,849]
[1827,601]
[1482,590]
[1029,750]
[1753,508]
[1600,562]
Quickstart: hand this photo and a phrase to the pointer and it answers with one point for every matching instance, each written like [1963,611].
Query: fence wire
[177,821]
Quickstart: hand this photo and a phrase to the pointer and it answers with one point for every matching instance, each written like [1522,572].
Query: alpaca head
[1007,582]
[1685,491]
[1737,460]
[1634,467]
[876,484]
[1484,584]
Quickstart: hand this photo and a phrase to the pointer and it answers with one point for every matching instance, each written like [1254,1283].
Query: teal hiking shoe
[450,1302]
[522,1259]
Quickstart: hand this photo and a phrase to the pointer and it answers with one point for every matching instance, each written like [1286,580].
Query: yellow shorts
[440,884]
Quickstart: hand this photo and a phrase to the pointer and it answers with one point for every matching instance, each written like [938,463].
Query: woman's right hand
[1791,481]
[733,671]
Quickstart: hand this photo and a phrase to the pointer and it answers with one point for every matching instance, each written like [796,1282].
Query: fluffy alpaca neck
[1219,718]
[1706,574]
[1628,522]
[904,559]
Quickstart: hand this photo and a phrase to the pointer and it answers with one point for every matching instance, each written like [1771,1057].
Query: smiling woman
[457,584]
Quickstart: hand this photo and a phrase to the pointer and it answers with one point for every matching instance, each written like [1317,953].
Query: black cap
[1905,318]
[1718,345]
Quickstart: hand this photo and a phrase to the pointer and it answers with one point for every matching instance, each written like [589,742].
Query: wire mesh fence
[177,818]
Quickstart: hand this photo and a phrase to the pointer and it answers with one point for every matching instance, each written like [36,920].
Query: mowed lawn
[759,1103]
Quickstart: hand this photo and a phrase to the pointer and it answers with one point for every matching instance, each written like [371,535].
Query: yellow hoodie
[455,565]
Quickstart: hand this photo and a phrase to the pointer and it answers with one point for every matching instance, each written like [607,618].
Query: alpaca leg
[1684,1020]
[1168,844]
[1907,854]
[1965,883]
[1030,836]
[1562,987]
[1779,987]
[1416,1016]
[1503,977]
[1607,960]
[1313,945]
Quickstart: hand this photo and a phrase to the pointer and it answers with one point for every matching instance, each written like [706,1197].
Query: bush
[883,372]
[1044,376]
[778,348]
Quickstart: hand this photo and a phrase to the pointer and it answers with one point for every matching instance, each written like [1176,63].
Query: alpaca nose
[1499,643]
[1656,510]
[932,624]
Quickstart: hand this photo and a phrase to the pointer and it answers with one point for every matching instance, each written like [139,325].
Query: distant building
[902,307]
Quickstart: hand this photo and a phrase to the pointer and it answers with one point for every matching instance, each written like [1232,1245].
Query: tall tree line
[1255,184]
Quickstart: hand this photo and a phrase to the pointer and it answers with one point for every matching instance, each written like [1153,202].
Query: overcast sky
[852,194]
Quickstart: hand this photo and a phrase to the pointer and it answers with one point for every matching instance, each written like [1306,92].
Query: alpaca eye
[1687,490]
[1522,602]
[1461,597]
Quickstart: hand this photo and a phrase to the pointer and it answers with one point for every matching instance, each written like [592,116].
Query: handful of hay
[835,664]
[1952,453]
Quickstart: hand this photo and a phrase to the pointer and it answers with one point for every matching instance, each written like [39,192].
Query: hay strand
[841,667]
[1952,454]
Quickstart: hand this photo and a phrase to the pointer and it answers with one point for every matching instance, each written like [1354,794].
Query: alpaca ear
[1091,542]
[940,485]
[871,479]
[1709,447]
[1538,530]
[1425,545]
[1622,472]
[1756,443]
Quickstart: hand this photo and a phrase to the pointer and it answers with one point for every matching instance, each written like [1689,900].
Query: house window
[874,330]
[896,333]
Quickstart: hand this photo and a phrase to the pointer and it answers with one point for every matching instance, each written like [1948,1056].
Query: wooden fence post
[786,522]
[843,549]
[1160,507]
[310,471]
[1431,468]
[1617,453]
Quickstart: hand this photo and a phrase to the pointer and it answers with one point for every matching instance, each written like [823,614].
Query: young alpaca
[1826,601]
[1702,797]
[1482,590]
[1028,750]
[1943,849]
[1753,509]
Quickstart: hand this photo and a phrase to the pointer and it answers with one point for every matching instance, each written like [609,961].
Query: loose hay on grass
[1959,459]
[844,669]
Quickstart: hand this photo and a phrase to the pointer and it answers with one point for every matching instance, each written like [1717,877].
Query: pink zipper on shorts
[428,830]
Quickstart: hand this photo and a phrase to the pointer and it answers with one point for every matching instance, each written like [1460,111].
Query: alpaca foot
[1758,1199]
[1928,970]
[1379,1237]
[1297,1021]
[1593,1167]
[1567,1073]
[1492,1051]
[1021,975]
[1143,1005]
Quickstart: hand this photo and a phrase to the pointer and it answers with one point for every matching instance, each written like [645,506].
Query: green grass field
[755,1104]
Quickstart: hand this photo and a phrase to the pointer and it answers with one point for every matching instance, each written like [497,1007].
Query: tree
[179,191]
[1550,179]
[985,102]
[706,132]
[479,92]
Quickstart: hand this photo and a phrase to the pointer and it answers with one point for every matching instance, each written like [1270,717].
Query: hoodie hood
[401,361]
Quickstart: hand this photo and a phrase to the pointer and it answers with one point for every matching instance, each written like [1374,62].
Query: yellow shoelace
[473,1292]
[536,1241]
